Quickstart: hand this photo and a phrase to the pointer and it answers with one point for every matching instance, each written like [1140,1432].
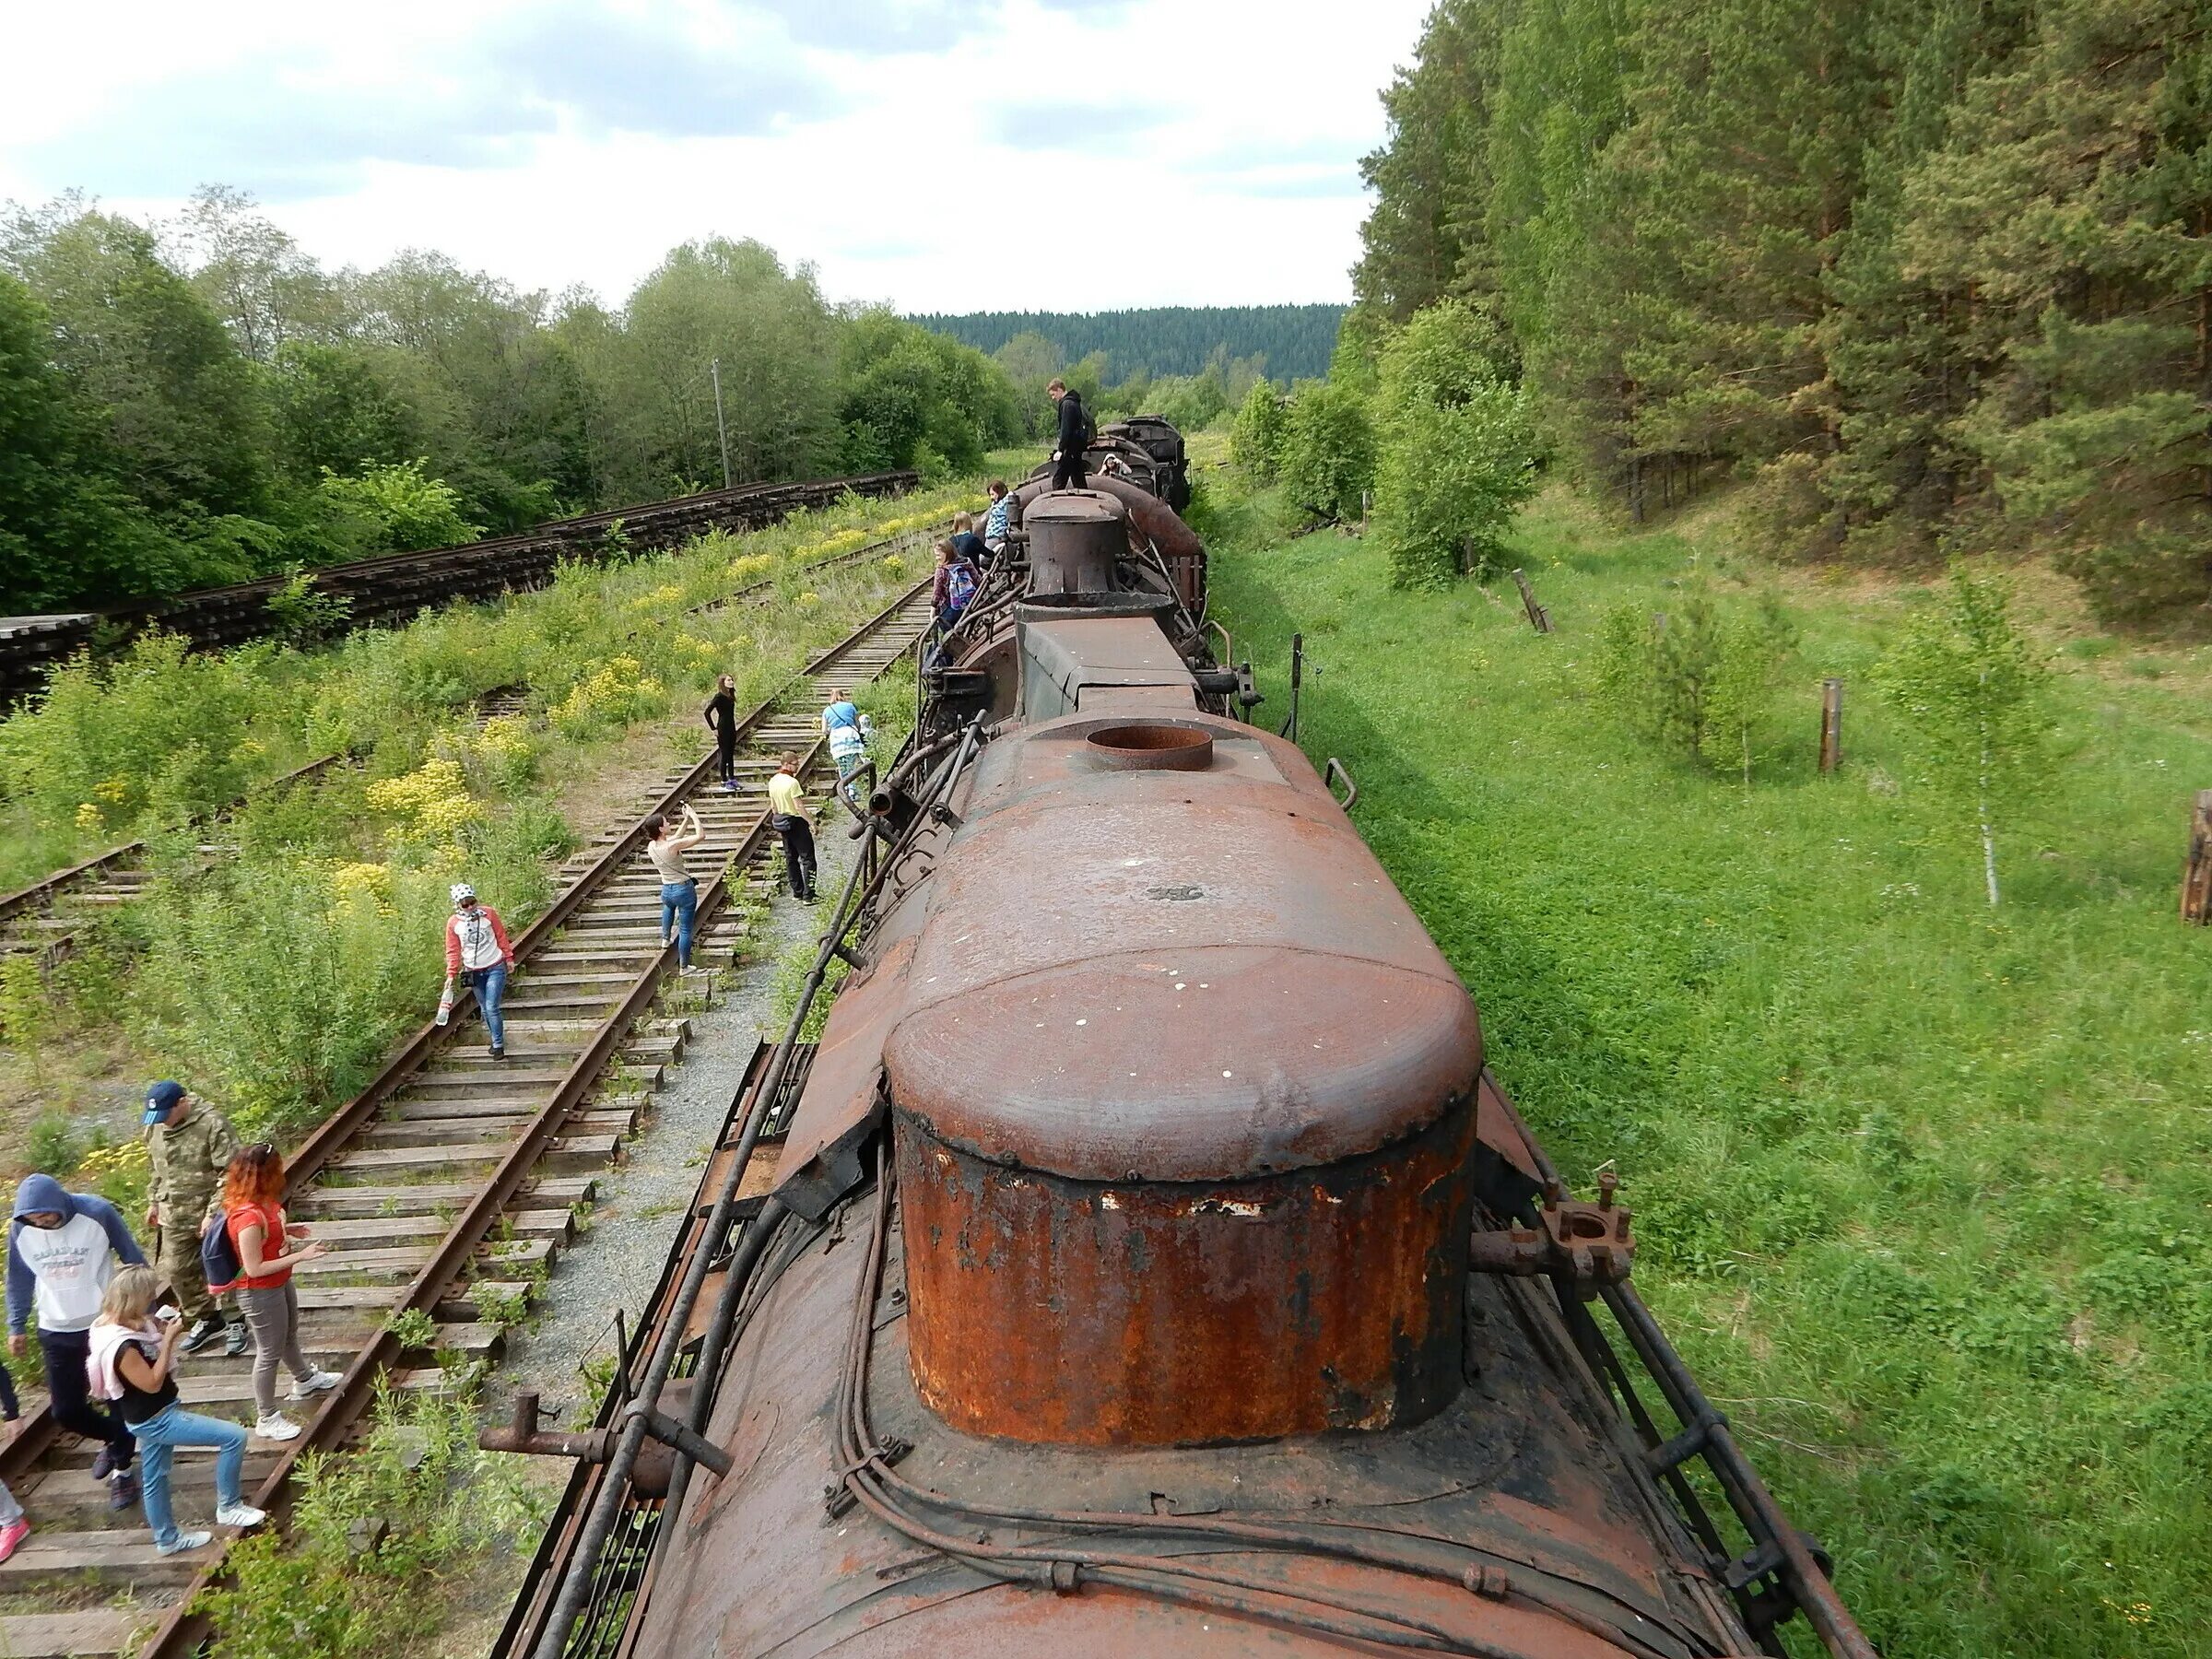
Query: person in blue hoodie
[61,1250]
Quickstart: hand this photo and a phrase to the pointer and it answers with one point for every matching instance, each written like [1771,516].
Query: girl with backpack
[954,584]
[133,1364]
[268,1248]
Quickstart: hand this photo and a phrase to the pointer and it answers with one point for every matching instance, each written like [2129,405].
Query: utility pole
[722,428]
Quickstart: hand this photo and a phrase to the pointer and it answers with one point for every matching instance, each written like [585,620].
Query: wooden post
[2196,879]
[1538,617]
[1831,725]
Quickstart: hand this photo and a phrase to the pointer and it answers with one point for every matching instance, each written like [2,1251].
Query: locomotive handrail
[1335,770]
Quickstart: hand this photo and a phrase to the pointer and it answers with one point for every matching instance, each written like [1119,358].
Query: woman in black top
[133,1356]
[722,716]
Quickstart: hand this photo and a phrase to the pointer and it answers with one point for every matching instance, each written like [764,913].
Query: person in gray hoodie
[61,1250]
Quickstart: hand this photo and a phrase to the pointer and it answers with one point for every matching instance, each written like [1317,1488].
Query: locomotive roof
[1109,983]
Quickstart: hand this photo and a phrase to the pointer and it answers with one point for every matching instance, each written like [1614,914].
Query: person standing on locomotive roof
[787,813]
[722,720]
[188,1147]
[998,522]
[476,946]
[61,1250]
[1074,438]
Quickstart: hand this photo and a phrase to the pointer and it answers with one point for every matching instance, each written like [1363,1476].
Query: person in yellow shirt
[787,815]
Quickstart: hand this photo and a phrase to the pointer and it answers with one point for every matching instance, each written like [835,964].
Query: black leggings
[70,1391]
[798,854]
[725,756]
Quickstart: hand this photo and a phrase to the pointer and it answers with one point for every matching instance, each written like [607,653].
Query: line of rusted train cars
[1152,1264]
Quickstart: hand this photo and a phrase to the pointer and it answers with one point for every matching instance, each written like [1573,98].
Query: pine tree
[2074,204]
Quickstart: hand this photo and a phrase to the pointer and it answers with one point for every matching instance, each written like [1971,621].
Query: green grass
[1920,1187]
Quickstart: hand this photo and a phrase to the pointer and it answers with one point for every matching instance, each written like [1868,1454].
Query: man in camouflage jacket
[189,1145]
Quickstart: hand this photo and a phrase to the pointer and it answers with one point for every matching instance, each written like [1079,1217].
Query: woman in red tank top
[253,1215]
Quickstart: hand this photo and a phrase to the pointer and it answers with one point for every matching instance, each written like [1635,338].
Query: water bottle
[445,1004]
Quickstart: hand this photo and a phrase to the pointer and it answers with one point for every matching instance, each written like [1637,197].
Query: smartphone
[167,1312]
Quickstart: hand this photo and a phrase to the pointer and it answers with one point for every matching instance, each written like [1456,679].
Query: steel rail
[47,886]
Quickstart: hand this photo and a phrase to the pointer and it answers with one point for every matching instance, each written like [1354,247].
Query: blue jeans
[173,1427]
[490,985]
[679,904]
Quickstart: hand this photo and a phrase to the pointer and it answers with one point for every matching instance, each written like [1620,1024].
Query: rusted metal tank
[1184,1134]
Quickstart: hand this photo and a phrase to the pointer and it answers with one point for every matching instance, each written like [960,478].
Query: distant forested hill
[1170,339]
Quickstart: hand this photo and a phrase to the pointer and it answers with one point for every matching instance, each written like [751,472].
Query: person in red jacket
[476,948]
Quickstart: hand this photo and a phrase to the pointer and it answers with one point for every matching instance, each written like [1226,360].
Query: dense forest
[1286,342]
[198,402]
[1931,276]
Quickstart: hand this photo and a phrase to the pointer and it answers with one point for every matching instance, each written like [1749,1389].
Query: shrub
[1326,459]
[282,987]
[1697,679]
[395,509]
[373,1531]
[1971,689]
[1458,448]
[1256,439]
[53,1147]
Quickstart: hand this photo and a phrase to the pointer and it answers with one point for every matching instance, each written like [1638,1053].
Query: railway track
[398,585]
[49,916]
[622,1571]
[446,1187]
[46,918]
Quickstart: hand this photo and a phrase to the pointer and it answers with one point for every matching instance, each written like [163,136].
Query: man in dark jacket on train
[1075,436]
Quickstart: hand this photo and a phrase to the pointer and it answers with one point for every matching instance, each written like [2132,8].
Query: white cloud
[939,153]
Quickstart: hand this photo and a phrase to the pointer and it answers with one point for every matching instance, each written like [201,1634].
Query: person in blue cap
[189,1145]
[61,1250]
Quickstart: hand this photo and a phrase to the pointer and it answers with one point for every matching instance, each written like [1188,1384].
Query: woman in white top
[670,840]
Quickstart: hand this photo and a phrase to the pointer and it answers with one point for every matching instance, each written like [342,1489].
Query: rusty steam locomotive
[1146,1262]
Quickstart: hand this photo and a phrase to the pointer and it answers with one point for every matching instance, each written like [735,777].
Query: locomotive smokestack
[1076,536]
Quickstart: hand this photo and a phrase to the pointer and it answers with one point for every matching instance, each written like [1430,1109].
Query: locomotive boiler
[1146,1261]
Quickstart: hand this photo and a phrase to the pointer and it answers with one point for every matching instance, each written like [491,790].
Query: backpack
[218,1255]
[960,587]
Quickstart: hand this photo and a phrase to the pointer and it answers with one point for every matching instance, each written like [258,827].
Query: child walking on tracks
[132,1360]
[476,948]
[787,814]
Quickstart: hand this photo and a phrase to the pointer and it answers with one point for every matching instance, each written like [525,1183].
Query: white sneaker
[191,1540]
[314,1383]
[239,1514]
[276,1427]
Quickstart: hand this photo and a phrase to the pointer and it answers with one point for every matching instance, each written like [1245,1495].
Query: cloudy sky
[938,154]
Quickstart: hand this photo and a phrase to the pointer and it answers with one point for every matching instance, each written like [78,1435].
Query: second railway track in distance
[48,916]
[410,1181]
